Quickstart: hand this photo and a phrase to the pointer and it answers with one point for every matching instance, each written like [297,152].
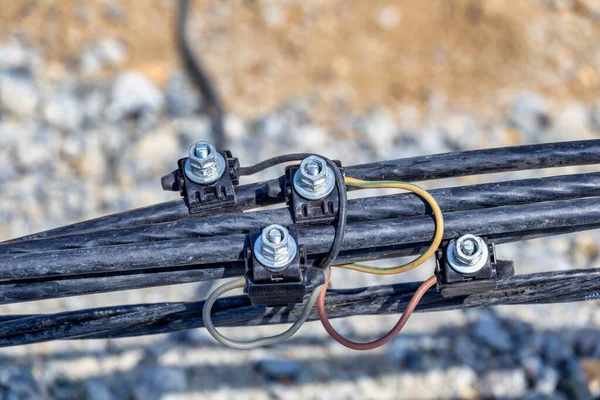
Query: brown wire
[412,304]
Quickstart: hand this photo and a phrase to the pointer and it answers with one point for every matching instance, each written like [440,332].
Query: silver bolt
[468,247]
[204,165]
[467,254]
[314,179]
[202,150]
[275,236]
[312,168]
[275,248]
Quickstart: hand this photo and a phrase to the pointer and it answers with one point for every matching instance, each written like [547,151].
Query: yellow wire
[439,226]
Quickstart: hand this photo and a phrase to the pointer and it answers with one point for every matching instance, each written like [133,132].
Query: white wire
[253,344]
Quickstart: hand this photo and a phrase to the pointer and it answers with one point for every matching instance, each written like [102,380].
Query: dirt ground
[346,55]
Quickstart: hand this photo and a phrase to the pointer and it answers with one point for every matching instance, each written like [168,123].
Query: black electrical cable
[539,288]
[396,236]
[461,198]
[547,287]
[340,225]
[412,169]
[56,287]
[199,77]
[317,240]
[271,162]
[478,162]
[66,329]
[49,288]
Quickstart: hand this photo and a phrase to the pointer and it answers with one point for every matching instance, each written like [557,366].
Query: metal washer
[220,161]
[308,195]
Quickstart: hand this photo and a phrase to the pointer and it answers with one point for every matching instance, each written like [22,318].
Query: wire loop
[437,240]
[253,344]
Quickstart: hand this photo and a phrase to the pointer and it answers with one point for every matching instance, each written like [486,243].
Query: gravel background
[73,148]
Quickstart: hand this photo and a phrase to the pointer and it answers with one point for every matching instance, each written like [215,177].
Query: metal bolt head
[469,249]
[467,254]
[275,248]
[314,179]
[204,165]
[202,150]
[275,236]
[312,168]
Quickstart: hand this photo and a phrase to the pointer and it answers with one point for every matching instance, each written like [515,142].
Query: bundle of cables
[318,294]
[166,244]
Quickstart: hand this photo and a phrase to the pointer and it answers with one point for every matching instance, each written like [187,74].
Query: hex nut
[314,179]
[459,259]
[204,165]
[275,249]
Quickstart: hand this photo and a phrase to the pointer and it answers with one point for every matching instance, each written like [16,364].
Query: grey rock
[17,382]
[192,129]
[573,119]
[547,381]
[281,123]
[105,53]
[278,368]
[63,111]
[502,384]
[490,332]
[529,114]
[573,381]
[39,151]
[541,396]
[533,367]
[155,382]
[273,125]
[14,55]
[7,166]
[466,351]
[18,92]
[133,95]
[113,11]
[180,99]
[414,361]
[586,343]
[154,153]
[96,389]
[595,117]
[554,349]
[235,129]
[93,100]
[380,130]
[398,350]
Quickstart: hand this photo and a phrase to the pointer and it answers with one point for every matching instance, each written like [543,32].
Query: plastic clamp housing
[280,287]
[451,283]
[204,197]
[310,212]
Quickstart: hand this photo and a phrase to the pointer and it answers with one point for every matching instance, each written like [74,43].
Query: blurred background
[95,106]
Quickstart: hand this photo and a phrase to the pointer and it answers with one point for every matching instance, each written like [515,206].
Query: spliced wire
[425,286]
[437,238]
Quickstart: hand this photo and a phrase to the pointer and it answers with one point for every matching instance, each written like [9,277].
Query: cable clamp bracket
[199,196]
[468,265]
[319,207]
[270,283]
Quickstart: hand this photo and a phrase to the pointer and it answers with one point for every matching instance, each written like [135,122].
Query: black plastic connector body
[283,287]
[200,198]
[452,283]
[310,212]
